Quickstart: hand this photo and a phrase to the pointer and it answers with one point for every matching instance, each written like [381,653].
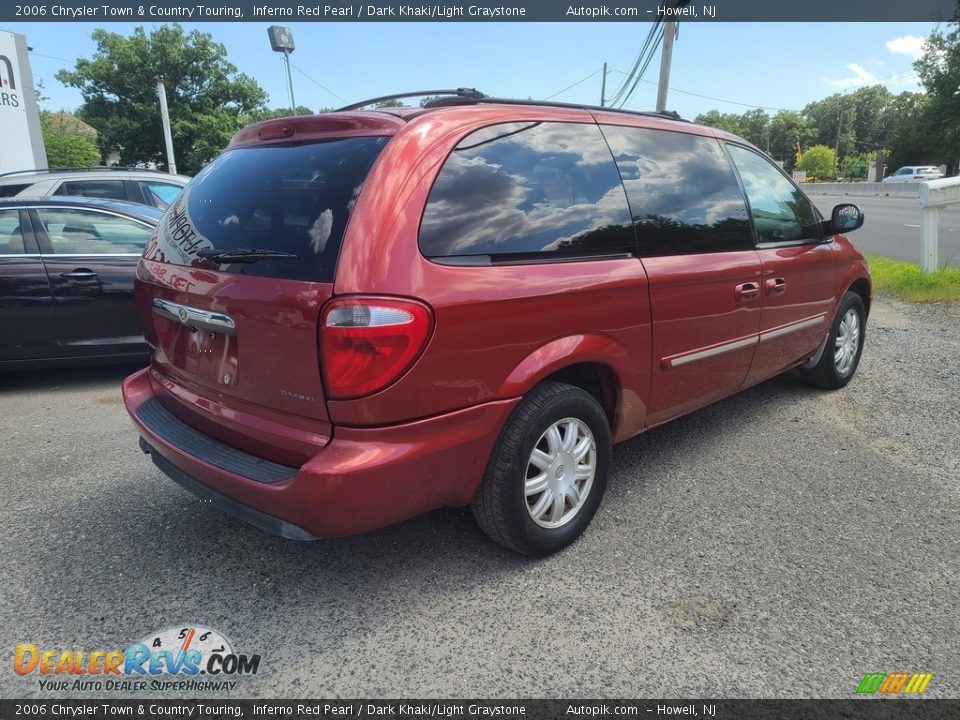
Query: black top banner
[287,11]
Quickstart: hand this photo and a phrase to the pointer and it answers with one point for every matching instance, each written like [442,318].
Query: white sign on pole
[21,142]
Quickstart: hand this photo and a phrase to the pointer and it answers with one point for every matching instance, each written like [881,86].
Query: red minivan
[360,316]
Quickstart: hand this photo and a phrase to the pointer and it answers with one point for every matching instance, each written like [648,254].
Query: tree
[939,71]
[730,122]
[831,116]
[819,162]
[206,95]
[911,141]
[787,128]
[756,128]
[262,114]
[66,144]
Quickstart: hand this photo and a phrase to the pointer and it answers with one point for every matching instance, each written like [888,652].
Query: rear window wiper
[243,255]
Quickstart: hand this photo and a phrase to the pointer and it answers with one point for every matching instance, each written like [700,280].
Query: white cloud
[860,77]
[907,45]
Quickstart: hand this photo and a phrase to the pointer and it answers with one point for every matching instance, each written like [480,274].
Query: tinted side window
[11,190]
[683,194]
[94,188]
[87,232]
[781,213]
[527,191]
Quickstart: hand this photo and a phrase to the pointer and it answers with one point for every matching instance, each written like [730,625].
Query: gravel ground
[780,543]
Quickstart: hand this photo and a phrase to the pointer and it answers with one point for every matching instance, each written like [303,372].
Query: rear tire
[548,472]
[841,355]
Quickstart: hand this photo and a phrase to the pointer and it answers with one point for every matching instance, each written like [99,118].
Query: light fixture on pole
[281,41]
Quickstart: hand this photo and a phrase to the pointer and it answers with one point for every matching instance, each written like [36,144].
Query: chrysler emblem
[182,314]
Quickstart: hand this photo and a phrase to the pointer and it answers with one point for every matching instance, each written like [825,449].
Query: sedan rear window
[291,199]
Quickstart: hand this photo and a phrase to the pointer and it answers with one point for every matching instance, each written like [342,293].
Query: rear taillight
[368,342]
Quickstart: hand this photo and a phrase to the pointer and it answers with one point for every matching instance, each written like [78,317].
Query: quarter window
[87,232]
[528,191]
[159,194]
[781,213]
[683,194]
[11,238]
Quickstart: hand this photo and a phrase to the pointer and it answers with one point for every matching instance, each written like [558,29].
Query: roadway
[892,227]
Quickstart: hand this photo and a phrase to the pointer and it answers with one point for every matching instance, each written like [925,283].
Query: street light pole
[286,59]
[165,121]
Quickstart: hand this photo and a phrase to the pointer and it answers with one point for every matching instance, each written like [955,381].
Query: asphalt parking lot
[780,543]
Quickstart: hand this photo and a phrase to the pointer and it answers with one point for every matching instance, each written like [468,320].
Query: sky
[730,67]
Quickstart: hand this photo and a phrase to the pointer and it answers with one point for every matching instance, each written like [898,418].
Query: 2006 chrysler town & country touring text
[359,316]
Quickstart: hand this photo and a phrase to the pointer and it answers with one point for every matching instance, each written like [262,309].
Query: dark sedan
[66,280]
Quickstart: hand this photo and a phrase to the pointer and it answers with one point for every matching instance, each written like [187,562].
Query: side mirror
[845,218]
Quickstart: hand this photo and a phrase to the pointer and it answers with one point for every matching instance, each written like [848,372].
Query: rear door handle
[79,274]
[776,286]
[745,292]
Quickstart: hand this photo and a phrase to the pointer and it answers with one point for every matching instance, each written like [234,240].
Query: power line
[709,97]
[318,84]
[645,50]
[50,57]
[570,87]
[646,64]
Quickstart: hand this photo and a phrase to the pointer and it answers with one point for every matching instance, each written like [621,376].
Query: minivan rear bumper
[365,478]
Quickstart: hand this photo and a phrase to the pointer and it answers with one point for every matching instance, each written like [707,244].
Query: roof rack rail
[465,93]
[95,168]
[668,114]
[472,96]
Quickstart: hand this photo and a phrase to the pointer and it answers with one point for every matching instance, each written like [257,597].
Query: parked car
[66,280]
[914,173]
[148,187]
[360,316]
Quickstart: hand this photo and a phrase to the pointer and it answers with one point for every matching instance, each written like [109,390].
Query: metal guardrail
[935,195]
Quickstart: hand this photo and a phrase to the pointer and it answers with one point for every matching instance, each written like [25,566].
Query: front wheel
[547,473]
[841,356]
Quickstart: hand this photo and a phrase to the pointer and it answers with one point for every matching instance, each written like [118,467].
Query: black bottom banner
[868,709]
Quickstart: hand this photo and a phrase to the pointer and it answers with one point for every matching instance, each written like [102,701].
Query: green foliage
[939,71]
[261,114]
[731,122]
[206,95]
[908,282]
[856,166]
[786,129]
[67,147]
[819,162]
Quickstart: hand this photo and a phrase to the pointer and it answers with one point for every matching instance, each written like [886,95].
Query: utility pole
[669,31]
[165,120]
[603,86]
[836,149]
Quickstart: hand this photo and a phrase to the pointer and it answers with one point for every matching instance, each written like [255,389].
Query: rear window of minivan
[291,198]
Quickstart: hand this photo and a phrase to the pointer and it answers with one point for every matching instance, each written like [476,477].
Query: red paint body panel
[807,291]
[362,480]
[695,309]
